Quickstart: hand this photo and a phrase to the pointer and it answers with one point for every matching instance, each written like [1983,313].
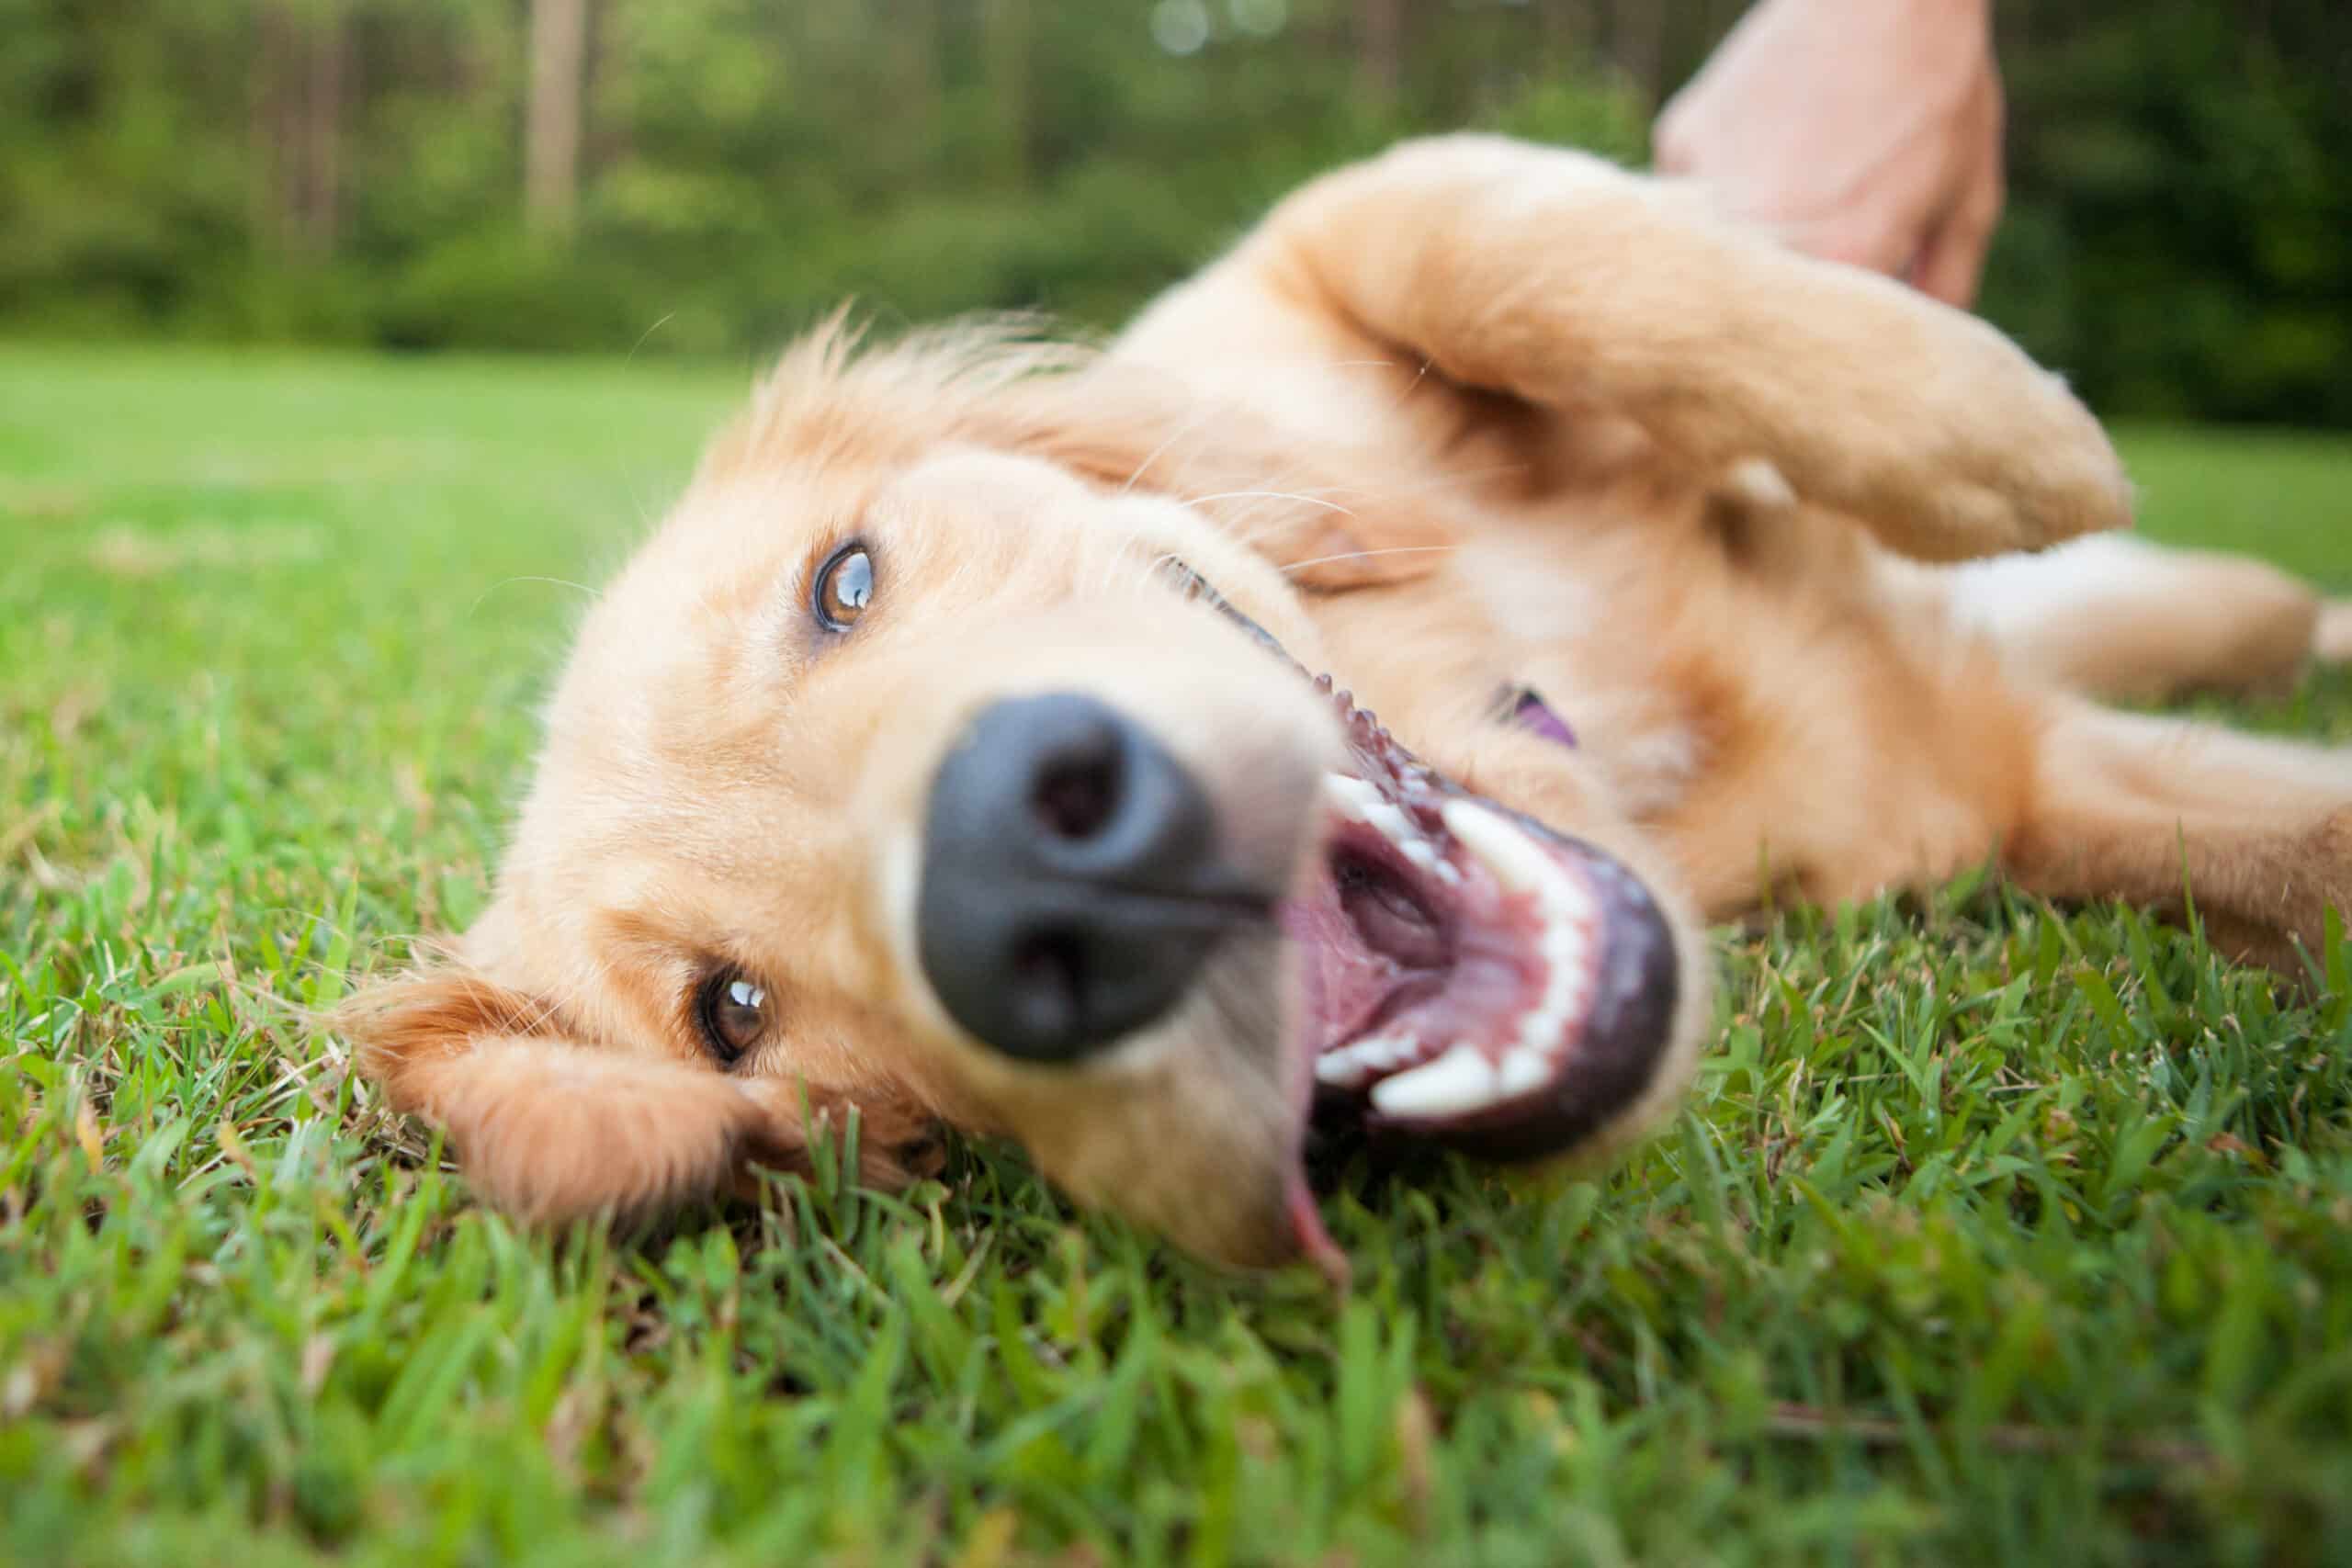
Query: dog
[964,751]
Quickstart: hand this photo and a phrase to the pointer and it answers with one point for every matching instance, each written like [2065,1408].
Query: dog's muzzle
[1071,885]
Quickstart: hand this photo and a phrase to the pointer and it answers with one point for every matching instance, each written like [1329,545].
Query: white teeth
[1462,1080]
[1457,1083]
[1351,797]
[1352,1064]
[1524,1070]
[1418,851]
[1359,802]
[1517,864]
[1566,903]
[1342,1068]
[1520,864]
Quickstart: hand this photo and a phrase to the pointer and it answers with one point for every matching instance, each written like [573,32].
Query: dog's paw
[1955,445]
[2331,643]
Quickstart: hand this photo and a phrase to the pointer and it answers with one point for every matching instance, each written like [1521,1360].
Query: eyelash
[1193,586]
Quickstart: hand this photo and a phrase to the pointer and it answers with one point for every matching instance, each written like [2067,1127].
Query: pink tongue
[1314,1241]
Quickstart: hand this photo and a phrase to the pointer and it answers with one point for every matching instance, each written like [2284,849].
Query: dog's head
[935,761]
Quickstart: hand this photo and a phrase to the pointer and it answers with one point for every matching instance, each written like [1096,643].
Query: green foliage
[2182,191]
[2182,170]
[748,164]
[1992,1233]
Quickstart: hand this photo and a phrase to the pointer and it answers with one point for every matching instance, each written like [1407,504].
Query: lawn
[1991,1231]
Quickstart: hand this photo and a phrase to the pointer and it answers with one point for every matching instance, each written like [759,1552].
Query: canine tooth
[1351,797]
[1418,851]
[1351,1064]
[1457,1083]
[1517,864]
[1524,1070]
[1390,822]
[1342,1068]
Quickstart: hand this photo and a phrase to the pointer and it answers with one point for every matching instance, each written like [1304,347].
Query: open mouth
[1467,976]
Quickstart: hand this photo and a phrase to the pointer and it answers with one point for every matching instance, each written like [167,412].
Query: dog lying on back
[965,749]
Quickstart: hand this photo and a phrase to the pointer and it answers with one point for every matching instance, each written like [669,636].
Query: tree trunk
[323,133]
[1638,35]
[552,125]
[1380,48]
[275,200]
[914,45]
[1005,43]
[1568,29]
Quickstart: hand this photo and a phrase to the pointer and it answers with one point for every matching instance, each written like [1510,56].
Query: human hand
[1866,131]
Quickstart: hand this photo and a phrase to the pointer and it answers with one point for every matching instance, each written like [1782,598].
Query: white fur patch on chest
[2010,593]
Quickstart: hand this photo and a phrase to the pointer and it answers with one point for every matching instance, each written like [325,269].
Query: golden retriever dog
[987,739]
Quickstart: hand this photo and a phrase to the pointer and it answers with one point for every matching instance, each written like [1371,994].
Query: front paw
[1993,453]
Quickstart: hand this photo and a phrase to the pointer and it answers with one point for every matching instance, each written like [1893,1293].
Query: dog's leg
[1569,283]
[2158,812]
[2119,618]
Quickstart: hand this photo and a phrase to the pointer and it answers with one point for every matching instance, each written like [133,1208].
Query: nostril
[1071,888]
[1075,795]
[1049,981]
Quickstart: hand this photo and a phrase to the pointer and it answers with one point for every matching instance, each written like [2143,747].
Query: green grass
[1990,1232]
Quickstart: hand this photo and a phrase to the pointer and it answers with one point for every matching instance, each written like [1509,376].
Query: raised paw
[1936,430]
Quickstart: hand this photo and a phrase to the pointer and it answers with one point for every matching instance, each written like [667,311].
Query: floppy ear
[550,1128]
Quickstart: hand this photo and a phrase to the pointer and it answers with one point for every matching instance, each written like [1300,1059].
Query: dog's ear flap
[547,1127]
[550,1128]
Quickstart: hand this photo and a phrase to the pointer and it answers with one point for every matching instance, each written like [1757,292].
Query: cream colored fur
[1474,412]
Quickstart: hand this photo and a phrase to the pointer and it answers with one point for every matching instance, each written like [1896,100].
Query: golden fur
[1472,413]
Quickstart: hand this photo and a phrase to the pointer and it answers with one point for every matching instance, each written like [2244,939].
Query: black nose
[1071,888]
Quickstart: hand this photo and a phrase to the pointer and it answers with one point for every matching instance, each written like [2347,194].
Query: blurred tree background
[701,177]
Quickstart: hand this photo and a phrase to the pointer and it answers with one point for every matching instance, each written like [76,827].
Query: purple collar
[1531,711]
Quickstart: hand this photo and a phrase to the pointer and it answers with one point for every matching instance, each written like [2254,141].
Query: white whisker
[1269,495]
[558,581]
[1366,555]
[1159,451]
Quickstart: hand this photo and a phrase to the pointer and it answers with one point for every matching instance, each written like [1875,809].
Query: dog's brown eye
[845,588]
[734,1013]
